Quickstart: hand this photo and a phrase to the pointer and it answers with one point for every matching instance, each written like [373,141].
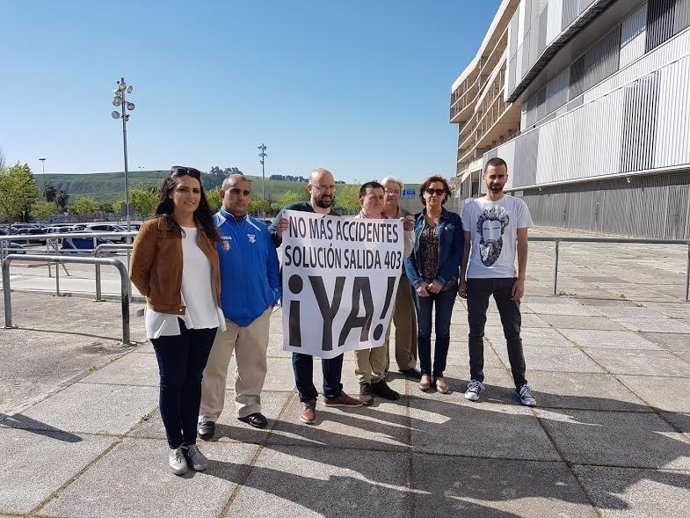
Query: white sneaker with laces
[474,387]
[195,458]
[526,397]
[177,461]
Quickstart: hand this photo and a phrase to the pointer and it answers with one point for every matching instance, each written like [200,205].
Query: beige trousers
[249,344]
[405,322]
[370,363]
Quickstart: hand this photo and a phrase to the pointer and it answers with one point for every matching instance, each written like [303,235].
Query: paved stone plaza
[608,359]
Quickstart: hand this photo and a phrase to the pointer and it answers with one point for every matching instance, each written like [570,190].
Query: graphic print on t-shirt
[490,226]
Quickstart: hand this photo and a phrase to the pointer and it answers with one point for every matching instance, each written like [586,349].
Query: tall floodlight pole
[43,166]
[262,157]
[120,100]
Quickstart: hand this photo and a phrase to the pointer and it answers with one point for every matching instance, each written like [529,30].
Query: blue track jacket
[249,269]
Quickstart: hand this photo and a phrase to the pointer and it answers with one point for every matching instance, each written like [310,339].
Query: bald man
[321,189]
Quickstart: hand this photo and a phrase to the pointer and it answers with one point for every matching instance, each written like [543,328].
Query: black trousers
[181,362]
[478,293]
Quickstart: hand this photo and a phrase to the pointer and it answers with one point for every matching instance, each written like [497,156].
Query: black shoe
[365,395]
[412,373]
[381,389]
[206,430]
[257,420]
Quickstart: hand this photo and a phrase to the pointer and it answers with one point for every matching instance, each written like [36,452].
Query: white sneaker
[474,387]
[195,458]
[526,397]
[177,461]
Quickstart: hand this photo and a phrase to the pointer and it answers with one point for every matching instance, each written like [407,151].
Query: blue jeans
[181,362]
[444,302]
[478,293]
[303,367]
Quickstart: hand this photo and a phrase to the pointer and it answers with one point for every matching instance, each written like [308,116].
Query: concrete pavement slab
[562,307]
[625,310]
[572,322]
[458,427]
[638,362]
[585,391]
[37,463]
[228,428]
[616,439]
[312,481]
[608,339]
[676,310]
[133,479]
[636,493]
[382,426]
[555,359]
[675,342]
[679,420]
[87,408]
[657,325]
[457,486]
[530,336]
[133,369]
[669,394]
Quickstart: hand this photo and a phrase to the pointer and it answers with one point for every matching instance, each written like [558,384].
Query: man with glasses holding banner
[321,188]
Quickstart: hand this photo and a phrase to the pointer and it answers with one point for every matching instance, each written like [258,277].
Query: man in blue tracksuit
[250,288]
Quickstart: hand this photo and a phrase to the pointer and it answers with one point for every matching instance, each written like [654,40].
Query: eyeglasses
[437,192]
[236,192]
[392,191]
[178,170]
[323,187]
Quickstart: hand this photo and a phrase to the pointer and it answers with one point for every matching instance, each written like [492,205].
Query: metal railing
[558,240]
[124,291]
[97,253]
[52,243]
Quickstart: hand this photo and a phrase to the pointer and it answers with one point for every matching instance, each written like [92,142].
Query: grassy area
[111,186]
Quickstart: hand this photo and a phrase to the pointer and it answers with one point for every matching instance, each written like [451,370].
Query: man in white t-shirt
[495,229]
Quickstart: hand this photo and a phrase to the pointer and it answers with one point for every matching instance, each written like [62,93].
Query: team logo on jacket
[226,243]
[252,238]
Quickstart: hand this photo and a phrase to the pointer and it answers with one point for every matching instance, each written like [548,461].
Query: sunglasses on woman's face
[185,171]
[437,192]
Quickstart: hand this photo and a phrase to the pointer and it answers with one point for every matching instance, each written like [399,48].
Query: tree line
[22,200]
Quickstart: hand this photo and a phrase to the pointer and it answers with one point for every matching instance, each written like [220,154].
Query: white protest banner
[340,276]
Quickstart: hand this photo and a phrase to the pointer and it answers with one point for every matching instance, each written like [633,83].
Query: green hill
[109,187]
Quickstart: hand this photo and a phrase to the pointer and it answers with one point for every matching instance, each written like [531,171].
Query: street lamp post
[43,166]
[120,100]
[262,157]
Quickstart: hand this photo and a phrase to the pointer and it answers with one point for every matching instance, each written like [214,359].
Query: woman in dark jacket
[433,269]
[175,266]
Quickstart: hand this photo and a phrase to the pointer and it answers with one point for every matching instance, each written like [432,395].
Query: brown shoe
[308,411]
[365,395]
[343,400]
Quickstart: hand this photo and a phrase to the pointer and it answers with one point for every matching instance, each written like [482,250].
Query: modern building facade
[478,103]
[604,139]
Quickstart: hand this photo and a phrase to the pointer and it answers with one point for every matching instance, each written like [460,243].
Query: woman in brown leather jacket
[175,266]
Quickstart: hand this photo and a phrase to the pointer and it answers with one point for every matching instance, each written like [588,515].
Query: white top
[197,295]
[493,226]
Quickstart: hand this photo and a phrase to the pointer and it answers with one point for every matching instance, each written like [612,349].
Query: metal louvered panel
[681,18]
[633,33]
[673,129]
[639,124]
[553,25]
[653,206]
[660,21]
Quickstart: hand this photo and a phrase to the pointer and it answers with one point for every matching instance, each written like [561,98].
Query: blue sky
[361,87]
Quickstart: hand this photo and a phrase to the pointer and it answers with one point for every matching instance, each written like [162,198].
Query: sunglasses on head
[185,171]
[437,192]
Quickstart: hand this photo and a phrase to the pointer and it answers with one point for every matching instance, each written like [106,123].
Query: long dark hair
[166,207]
